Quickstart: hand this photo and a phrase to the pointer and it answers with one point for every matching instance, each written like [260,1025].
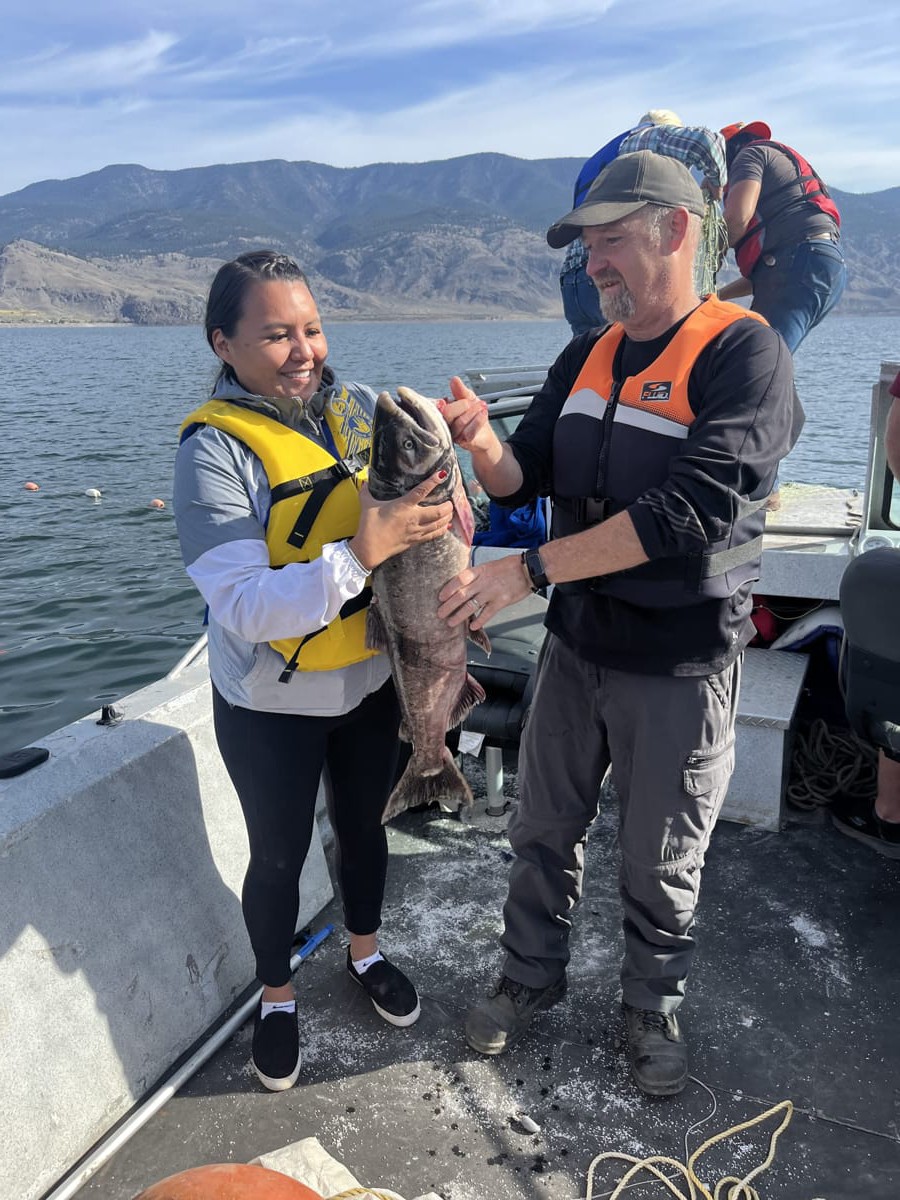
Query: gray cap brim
[569,227]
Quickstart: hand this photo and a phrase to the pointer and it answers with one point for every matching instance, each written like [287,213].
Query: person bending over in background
[658,440]
[878,825]
[661,131]
[784,229]
[279,535]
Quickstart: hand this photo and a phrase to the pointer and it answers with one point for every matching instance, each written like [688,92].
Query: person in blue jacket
[661,131]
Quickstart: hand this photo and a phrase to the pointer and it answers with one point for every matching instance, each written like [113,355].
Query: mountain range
[460,237]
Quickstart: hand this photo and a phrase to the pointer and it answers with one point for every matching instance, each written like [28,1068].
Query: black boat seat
[870,607]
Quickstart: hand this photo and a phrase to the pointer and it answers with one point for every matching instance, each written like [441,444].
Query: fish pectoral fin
[480,638]
[471,694]
[376,635]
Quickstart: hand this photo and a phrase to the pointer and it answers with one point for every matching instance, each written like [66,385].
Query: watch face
[535,567]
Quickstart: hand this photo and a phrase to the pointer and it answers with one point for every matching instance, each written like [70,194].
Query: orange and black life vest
[614,441]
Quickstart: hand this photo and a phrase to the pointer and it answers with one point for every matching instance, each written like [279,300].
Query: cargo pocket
[708,771]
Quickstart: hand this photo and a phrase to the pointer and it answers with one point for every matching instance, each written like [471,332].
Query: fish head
[410,441]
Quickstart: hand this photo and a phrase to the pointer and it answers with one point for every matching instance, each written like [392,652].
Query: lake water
[94,601]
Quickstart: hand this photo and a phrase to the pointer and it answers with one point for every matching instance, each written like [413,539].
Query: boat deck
[794,996]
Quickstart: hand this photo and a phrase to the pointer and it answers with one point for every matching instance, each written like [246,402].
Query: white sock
[364,963]
[277,1006]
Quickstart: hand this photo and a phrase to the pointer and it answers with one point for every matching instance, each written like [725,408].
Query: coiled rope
[737,1189]
[367,1192]
[828,762]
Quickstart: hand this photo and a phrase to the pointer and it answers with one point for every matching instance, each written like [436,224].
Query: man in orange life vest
[784,228]
[658,439]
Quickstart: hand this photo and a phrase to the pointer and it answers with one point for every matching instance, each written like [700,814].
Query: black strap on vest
[354,605]
[587,510]
[321,484]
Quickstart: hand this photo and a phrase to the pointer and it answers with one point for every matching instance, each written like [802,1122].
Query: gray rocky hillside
[461,237]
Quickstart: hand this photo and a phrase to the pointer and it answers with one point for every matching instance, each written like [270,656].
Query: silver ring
[472,600]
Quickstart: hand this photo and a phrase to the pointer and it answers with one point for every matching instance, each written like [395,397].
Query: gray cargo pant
[670,741]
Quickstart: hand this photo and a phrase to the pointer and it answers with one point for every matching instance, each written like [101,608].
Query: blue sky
[173,85]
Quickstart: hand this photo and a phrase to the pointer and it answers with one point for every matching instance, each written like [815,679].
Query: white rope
[727,1188]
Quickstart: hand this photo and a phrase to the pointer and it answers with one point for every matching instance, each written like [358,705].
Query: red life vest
[807,188]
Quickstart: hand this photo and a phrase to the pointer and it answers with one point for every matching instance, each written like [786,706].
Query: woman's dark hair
[225,303]
[736,144]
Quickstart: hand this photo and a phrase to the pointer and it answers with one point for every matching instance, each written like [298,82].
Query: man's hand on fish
[477,593]
[467,416]
[387,527]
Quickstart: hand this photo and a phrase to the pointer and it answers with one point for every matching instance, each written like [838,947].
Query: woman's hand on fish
[388,527]
[467,416]
[478,593]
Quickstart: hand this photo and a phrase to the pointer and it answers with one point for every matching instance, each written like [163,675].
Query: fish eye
[409,444]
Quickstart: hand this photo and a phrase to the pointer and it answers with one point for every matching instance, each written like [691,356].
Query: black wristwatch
[534,568]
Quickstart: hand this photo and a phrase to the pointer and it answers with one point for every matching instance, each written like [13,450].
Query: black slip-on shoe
[393,996]
[656,1051]
[498,1022]
[859,820]
[276,1049]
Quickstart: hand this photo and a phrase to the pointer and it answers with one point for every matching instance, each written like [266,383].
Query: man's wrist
[534,569]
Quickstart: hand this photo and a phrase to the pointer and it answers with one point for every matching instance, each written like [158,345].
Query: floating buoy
[93,493]
[30,486]
[229,1181]
[157,504]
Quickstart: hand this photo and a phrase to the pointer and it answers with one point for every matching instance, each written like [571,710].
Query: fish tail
[448,788]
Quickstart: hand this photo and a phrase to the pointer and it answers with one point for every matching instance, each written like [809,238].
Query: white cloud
[438,78]
[60,69]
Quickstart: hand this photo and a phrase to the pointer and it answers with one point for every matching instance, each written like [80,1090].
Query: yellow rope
[737,1189]
[363,1191]
[712,248]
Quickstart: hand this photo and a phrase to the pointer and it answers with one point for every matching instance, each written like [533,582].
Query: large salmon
[410,441]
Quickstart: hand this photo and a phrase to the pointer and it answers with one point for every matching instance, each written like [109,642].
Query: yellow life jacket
[314,501]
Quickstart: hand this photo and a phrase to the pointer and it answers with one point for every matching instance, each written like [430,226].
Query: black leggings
[275,761]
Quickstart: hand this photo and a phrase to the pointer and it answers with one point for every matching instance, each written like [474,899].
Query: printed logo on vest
[656,393]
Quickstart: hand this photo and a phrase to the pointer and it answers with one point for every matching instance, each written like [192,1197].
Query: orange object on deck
[229,1181]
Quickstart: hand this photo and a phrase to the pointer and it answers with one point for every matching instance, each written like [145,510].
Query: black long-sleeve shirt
[747,419]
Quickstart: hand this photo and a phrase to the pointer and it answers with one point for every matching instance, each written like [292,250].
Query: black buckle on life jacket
[589,510]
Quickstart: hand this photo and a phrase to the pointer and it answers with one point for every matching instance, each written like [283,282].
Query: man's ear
[677,227]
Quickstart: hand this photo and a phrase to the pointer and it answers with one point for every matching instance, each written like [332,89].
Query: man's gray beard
[617,307]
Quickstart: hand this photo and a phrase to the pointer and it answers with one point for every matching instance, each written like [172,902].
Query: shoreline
[381,319]
[331,318]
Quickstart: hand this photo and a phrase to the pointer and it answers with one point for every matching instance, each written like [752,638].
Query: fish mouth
[424,412]
[409,409]
[410,442]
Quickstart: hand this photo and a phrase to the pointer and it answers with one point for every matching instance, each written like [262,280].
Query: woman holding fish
[279,534]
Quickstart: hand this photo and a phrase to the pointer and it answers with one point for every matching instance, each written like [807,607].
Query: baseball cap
[625,185]
[757,128]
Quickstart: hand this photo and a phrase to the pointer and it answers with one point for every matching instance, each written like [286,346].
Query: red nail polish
[442,474]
